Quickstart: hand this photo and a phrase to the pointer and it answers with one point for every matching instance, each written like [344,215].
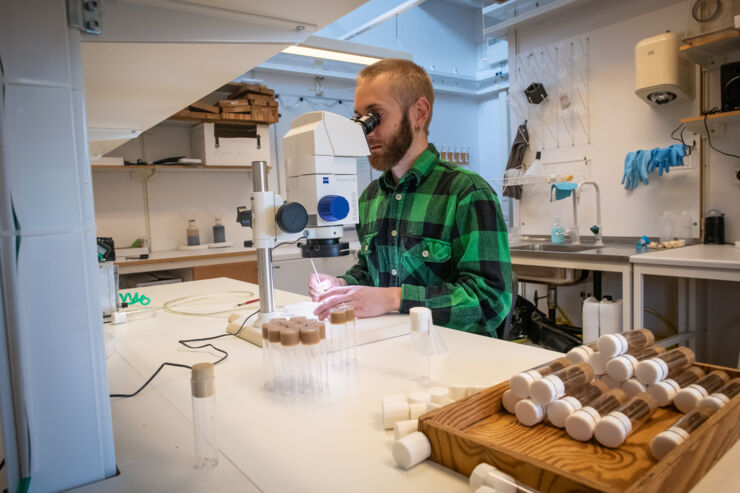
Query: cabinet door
[241,271]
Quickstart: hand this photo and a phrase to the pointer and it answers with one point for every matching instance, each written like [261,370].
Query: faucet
[576,197]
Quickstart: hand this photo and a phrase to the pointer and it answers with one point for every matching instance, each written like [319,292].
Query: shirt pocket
[369,251]
[427,261]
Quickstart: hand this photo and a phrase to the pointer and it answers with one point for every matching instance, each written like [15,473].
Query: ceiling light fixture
[330,55]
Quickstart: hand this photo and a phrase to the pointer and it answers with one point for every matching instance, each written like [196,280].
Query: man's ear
[420,112]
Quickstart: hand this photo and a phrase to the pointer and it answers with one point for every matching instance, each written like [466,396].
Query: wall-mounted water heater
[662,75]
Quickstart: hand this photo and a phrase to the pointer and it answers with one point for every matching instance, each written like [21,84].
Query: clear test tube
[349,314]
[722,396]
[611,345]
[290,366]
[633,387]
[581,353]
[310,340]
[202,386]
[267,377]
[666,390]
[623,367]
[324,346]
[580,425]
[564,382]
[486,475]
[520,382]
[614,428]
[598,362]
[337,331]
[558,411]
[666,365]
[688,396]
[276,355]
[678,432]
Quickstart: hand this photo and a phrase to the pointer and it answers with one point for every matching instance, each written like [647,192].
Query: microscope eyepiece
[367,122]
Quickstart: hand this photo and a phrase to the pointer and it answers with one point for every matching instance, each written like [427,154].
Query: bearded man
[431,233]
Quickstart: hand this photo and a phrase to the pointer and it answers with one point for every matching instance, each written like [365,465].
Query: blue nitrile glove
[628,165]
[642,161]
[678,152]
[662,158]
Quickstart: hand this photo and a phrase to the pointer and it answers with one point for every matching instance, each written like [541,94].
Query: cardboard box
[231,150]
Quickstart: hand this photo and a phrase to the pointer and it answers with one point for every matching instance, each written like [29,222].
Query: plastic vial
[267,376]
[567,381]
[667,440]
[623,367]
[421,322]
[722,396]
[614,428]
[666,365]
[581,353]
[598,363]
[411,450]
[666,390]
[219,231]
[611,345]
[580,425]
[509,401]
[290,362]
[193,233]
[688,396]
[202,386]
[520,382]
[633,387]
[323,346]
[349,313]
[337,334]
[276,353]
[485,475]
[529,413]
[558,411]
[310,340]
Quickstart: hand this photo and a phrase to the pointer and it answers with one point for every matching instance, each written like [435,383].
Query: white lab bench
[689,264]
[329,442]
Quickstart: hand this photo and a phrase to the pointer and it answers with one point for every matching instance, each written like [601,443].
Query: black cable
[185,342]
[709,138]
[289,242]
[2,464]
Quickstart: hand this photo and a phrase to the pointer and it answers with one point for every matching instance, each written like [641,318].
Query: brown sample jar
[567,381]
[666,390]
[688,396]
[666,365]
[580,425]
[667,440]
[722,396]
[615,427]
[520,382]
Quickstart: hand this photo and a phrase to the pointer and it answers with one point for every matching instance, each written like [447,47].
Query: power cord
[186,343]
[709,138]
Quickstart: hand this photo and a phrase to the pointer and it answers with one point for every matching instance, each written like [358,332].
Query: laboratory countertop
[333,441]
[707,256]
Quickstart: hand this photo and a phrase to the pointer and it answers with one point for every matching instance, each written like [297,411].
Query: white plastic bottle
[202,386]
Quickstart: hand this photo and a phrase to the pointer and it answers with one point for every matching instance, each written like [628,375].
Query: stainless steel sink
[551,247]
[556,276]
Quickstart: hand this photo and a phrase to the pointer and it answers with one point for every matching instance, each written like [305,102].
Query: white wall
[619,122]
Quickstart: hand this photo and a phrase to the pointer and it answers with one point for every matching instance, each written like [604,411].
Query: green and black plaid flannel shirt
[439,235]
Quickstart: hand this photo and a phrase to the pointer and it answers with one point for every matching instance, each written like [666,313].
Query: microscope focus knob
[291,217]
[333,208]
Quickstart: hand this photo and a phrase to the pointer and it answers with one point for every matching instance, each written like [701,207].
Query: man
[431,234]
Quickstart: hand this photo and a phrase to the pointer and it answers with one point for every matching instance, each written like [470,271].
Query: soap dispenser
[557,232]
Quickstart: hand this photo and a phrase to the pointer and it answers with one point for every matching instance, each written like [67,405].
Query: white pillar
[54,399]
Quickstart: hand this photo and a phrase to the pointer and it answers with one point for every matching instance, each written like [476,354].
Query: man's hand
[367,301]
[321,284]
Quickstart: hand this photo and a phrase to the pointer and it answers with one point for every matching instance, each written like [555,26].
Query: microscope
[321,151]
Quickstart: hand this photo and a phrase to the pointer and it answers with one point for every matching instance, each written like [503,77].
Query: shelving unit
[711,50]
[235,118]
[695,124]
[133,167]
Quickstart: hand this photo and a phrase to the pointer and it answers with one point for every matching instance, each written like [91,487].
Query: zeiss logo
[325,180]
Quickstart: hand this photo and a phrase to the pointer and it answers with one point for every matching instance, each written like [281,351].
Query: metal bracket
[84,15]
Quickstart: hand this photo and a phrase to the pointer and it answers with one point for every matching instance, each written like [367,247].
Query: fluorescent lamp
[330,55]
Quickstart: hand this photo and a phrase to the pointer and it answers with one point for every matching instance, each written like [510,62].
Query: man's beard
[396,149]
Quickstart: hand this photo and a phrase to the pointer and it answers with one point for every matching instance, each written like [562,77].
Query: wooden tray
[477,429]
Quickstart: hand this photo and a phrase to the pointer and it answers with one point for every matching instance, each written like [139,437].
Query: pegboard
[563,118]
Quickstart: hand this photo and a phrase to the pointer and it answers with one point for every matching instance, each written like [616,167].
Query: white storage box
[223,144]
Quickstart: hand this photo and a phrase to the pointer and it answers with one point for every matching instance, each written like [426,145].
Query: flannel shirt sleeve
[481,295]
[358,273]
